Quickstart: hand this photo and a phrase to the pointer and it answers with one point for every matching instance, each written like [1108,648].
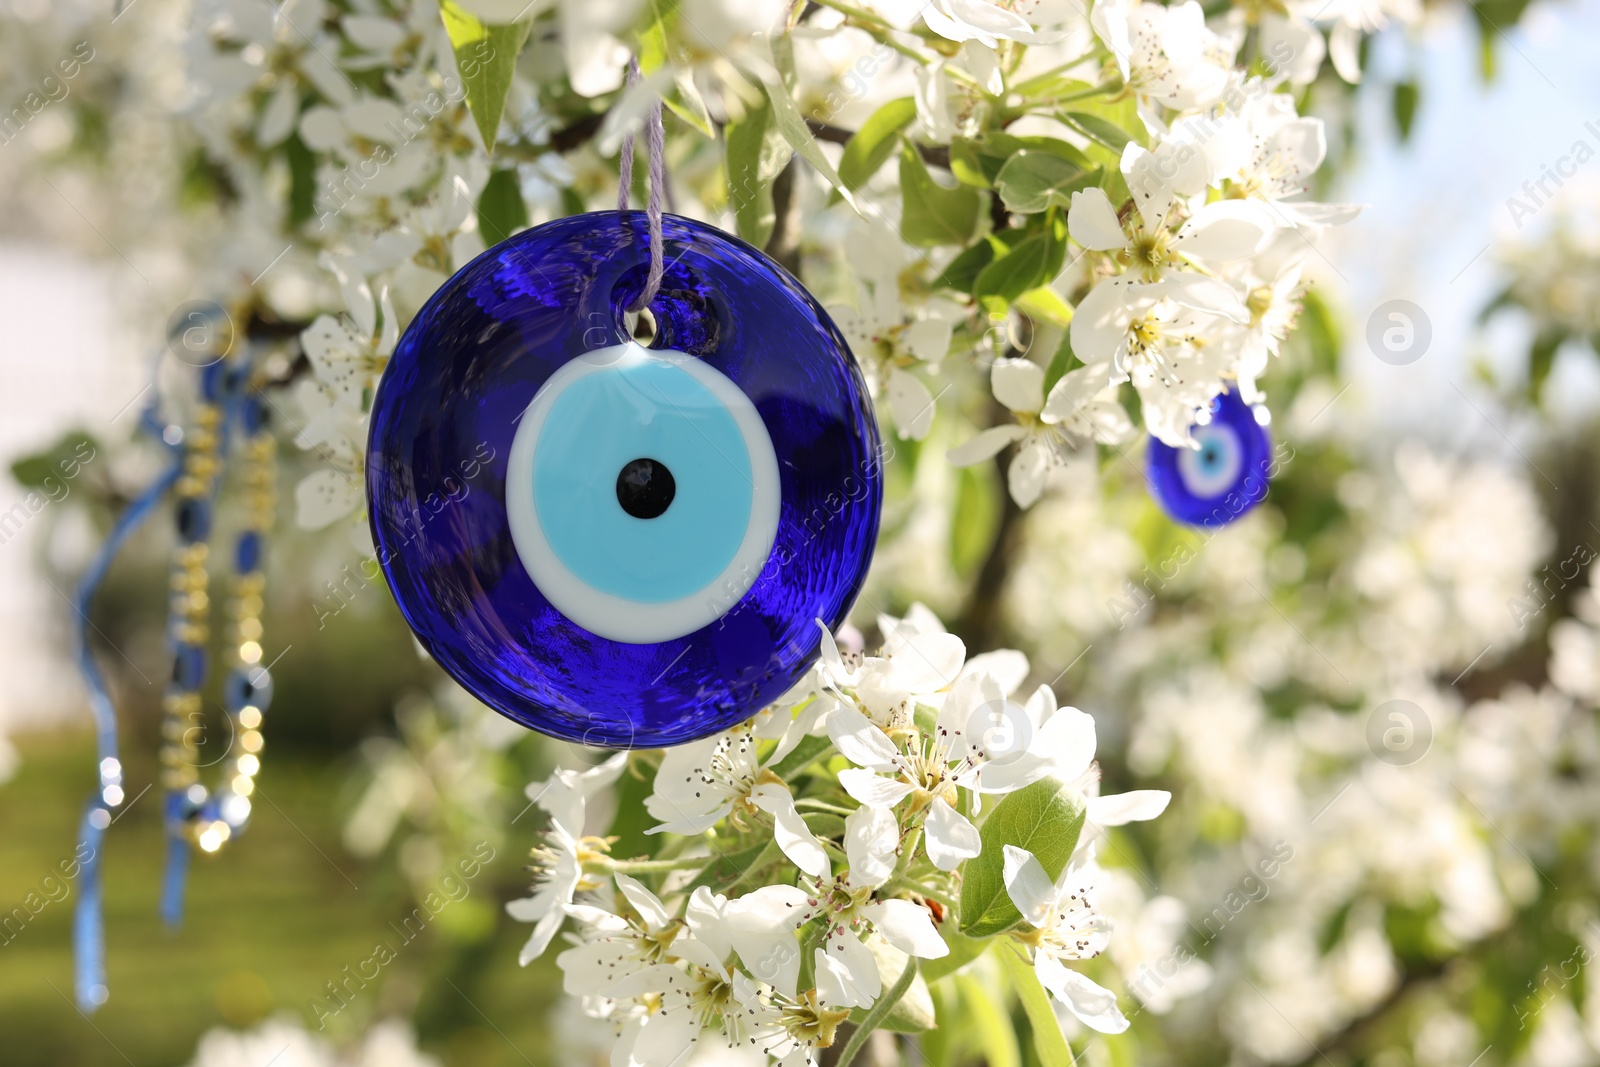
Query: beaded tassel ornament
[193,815]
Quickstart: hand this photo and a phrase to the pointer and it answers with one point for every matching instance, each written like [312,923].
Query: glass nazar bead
[1226,476]
[618,544]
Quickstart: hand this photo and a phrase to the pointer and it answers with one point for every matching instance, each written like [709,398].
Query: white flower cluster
[812,855]
[1191,260]
[284,1043]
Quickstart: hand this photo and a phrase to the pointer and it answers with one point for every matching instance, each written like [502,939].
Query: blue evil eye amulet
[1224,477]
[618,544]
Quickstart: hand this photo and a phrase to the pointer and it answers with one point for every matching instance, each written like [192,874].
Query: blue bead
[194,519]
[247,552]
[253,414]
[1221,480]
[188,667]
[247,687]
[213,377]
[501,434]
[178,807]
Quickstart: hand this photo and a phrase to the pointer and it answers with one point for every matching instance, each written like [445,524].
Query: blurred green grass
[268,922]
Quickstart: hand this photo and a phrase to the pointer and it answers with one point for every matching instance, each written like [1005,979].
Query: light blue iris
[642,410]
[1211,470]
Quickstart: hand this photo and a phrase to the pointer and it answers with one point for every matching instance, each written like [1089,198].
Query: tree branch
[933,155]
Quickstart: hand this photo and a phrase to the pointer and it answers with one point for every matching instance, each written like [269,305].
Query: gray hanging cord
[655,146]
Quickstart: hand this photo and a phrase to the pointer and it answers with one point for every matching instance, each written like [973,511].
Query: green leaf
[731,868]
[302,180]
[1063,360]
[804,753]
[963,949]
[1033,262]
[1542,359]
[962,272]
[1405,108]
[749,194]
[1031,182]
[684,100]
[486,54]
[632,820]
[913,1012]
[874,142]
[933,215]
[996,1036]
[1048,1042]
[1045,303]
[501,211]
[786,113]
[1044,818]
[823,824]
[968,164]
[1052,84]
[1098,129]
[980,162]
[1015,272]
[59,463]
[977,517]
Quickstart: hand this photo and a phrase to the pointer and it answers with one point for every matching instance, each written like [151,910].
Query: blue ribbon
[88,927]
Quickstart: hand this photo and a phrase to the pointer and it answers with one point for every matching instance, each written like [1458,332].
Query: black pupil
[645,488]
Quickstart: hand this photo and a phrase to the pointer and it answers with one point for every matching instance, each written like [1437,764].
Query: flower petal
[1226,230]
[1092,221]
[874,790]
[871,838]
[646,903]
[1137,805]
[543,933]
[908,927]
[1029,885]
[1007,666]
[324,497]
[859,741]
[790,831]
[984,446]
[1095,1007]
[949,836]
[1025,476]
[761,928]
[1018,384]
[911,404]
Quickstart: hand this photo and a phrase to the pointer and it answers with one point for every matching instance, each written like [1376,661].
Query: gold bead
[192,633]
[179,778]
[181,703]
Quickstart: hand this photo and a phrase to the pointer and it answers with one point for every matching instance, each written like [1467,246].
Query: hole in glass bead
[641,326]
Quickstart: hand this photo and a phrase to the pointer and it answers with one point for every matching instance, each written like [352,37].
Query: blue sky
[1437,209]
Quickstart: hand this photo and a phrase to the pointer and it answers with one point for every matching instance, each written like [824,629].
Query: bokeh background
[1428,544]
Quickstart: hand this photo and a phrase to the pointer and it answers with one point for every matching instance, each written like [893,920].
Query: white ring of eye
[606,614]
[1209,484]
